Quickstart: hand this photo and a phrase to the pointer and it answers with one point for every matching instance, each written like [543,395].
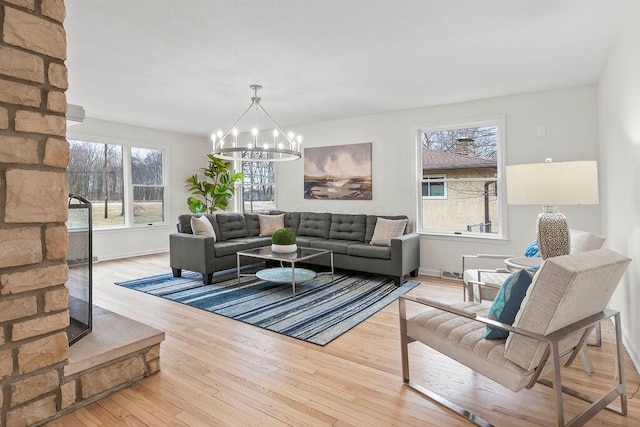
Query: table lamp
[552,184]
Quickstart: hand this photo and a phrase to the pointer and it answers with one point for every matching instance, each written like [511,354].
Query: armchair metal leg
[596,405]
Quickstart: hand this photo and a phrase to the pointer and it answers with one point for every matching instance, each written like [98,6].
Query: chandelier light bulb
[250,146]
[275,133]
[299,139]
[213,138]
[234,132]
[220,134]
[254,132]
[291,135]
[280,146]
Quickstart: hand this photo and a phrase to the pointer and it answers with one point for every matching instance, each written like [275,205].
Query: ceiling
[186,66]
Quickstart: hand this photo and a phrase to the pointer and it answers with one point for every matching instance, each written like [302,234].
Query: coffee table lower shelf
[286,275]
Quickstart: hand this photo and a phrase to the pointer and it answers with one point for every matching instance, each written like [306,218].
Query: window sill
[125,229]
[463,237]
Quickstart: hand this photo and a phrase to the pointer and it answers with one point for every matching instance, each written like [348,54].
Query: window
[460,169]
[434,187]
[125,184]
[258,186]
[148,185]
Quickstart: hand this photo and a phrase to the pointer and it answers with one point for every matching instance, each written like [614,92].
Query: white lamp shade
[553,183]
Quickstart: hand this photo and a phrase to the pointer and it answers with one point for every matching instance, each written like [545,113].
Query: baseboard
[427,272]
[132,254]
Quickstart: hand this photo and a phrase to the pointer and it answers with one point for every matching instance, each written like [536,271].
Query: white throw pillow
[201,226]
[270,223]
[387,229]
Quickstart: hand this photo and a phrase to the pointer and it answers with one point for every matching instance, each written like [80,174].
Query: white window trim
[500,122]
[127,180]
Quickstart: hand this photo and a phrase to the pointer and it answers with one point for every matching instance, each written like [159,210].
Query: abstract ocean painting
[340,172]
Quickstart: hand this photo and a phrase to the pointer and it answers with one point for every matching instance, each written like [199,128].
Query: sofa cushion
[387,229]
[201,226]
[314,224]
[373,219]
[337,246]
[305,241]
[256,241]
[253,224]
[232,225]
[184,224]
[230,247]
[367,251]
[291,219]
[269,224]
[348,227]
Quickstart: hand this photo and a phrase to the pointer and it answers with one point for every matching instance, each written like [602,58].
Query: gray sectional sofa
[347,235]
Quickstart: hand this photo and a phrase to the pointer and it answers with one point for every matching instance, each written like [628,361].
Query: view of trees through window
[258,186]
[459,179]
[96,172]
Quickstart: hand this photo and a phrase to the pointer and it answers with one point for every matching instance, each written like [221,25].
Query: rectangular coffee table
[284,274]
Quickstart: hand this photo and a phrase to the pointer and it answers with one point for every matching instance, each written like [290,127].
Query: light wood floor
[217,371]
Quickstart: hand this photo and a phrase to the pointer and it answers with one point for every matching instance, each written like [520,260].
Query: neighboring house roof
[432,159]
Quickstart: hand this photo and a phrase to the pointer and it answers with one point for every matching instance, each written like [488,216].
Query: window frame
[127,178]
[430,179]
[499,121]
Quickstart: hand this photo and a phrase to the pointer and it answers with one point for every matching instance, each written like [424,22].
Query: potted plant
[283,241]
[217,193]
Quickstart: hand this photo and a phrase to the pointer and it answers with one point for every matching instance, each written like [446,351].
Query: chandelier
[276,146]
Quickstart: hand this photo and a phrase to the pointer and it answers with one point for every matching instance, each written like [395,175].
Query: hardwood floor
[217,371]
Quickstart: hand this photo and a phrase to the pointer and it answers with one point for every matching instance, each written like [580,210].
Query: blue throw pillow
[532,250]
[507,302]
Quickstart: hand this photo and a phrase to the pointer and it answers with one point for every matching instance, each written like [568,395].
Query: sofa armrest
[192,252]
[405,253]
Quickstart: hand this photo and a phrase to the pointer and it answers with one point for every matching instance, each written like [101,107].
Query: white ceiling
[186,65]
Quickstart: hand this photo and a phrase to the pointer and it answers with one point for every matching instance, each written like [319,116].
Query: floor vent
[445,274]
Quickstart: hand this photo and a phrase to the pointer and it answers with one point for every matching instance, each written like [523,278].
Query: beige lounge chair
[564,303]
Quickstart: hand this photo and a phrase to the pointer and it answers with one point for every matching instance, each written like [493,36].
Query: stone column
[33,210]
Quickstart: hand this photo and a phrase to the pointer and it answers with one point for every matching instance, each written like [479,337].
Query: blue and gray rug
[320,311]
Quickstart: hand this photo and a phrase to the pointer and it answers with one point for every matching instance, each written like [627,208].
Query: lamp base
[553,234]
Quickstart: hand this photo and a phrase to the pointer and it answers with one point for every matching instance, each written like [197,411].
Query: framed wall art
[339,172]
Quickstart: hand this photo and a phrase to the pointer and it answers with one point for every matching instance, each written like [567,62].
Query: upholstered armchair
[565,301]
[483,283]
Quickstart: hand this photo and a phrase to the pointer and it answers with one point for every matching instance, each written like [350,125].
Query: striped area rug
[320,311]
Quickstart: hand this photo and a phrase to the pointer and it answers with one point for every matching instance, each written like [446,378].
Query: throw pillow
[532,250]
[270,223]
[201,226]
[507,302]
[387,229]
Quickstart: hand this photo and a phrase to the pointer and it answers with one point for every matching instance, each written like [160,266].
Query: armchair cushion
[532,250]
[565,289]
[507,302]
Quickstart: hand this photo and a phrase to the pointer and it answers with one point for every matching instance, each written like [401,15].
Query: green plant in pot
[284,241]
[216,192]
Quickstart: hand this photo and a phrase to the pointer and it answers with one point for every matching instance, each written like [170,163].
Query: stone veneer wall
[33,237]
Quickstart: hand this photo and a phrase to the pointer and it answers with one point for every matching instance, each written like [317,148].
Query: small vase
[284,248]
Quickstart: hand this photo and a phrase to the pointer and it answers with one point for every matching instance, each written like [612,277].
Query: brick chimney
[464,146]
[33,210]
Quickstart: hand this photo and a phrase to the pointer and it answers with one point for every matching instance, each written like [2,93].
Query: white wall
[186,154]
[570,118]
[619,115]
